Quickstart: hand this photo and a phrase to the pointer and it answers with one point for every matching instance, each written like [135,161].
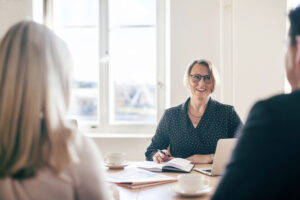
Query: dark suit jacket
[266,161]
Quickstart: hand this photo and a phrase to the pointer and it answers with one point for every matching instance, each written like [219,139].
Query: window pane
[75,12]
[132,49]
[78,26]
[132,12]
[133,75]
[83,44]
[132,58]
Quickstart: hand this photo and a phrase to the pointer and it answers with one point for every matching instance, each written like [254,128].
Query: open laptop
[221,158]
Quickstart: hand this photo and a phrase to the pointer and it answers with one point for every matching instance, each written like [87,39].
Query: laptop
[221,158]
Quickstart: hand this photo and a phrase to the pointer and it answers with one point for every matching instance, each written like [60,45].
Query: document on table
[136,178]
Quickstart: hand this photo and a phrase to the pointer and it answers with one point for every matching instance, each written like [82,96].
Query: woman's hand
[162,156]
[201,159]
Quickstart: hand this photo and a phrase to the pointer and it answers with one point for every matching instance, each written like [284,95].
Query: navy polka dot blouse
[176,130]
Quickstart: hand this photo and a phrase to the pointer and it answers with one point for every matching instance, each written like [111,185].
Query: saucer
[199,192]
[121,166]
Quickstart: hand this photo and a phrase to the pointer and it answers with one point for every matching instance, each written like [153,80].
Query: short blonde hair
[34,94]
[211,69]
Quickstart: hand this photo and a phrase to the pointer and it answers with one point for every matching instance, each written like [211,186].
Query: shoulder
[279,103]
[221,106]
[83,147]
[80,141]
[283,99]
[88,170]
[280,109]
[177,109]
[174,109]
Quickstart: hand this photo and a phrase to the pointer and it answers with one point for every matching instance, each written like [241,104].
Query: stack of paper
[137,178]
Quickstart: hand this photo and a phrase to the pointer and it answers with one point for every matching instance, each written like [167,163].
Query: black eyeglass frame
[198,77]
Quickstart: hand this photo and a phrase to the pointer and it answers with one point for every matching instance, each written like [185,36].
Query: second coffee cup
[191,183]
[115,158]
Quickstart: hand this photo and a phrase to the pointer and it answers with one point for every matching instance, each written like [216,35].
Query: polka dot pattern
[176,130]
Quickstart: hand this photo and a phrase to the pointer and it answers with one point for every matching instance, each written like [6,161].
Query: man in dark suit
[266,161]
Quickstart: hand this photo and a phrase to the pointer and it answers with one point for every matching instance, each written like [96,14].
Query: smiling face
[200,89]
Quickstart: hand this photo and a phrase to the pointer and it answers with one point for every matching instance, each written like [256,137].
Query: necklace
[195,115]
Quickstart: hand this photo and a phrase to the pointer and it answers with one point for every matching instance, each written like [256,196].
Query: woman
[192,129]
[41,155]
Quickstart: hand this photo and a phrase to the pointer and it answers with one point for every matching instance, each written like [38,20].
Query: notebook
[138,178]
[221,158]
[174,165]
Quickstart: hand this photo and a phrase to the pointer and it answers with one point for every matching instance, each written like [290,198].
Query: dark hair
[294,17]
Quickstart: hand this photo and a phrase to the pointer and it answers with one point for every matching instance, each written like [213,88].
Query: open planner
[174,165]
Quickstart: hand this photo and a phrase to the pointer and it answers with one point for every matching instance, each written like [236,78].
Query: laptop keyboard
[203,170]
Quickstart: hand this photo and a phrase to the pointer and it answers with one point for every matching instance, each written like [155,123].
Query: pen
[163,153]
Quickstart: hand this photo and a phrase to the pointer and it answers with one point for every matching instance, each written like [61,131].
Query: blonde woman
[191,130]
[41,155]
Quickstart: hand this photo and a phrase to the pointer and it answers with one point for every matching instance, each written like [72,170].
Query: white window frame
[103,125]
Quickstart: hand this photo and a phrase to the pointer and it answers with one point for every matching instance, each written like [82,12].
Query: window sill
[118,135]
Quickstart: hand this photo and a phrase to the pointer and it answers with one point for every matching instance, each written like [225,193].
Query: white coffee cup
[115,158]
[191,183]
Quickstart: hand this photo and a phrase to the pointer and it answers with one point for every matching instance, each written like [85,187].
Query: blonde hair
[34,93]
[211,70]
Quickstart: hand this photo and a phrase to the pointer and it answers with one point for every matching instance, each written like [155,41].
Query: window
[117,48]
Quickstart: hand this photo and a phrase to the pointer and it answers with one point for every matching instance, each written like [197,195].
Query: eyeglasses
[197,77]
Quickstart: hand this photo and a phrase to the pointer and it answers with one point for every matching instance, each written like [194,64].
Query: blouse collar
[209,111]
[185,105]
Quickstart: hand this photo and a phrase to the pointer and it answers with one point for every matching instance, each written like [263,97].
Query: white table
[163,191]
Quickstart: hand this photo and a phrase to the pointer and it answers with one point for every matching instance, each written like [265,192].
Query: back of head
[294,18]
[34,91]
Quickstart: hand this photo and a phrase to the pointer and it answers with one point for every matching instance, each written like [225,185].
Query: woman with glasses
[42,156]
[191,130]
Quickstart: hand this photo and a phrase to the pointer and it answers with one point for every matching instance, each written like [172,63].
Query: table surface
[163,191]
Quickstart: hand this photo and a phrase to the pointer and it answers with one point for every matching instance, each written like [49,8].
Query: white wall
[195,33]
[134,146]
[243,38]
[258,51]
[12,11]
